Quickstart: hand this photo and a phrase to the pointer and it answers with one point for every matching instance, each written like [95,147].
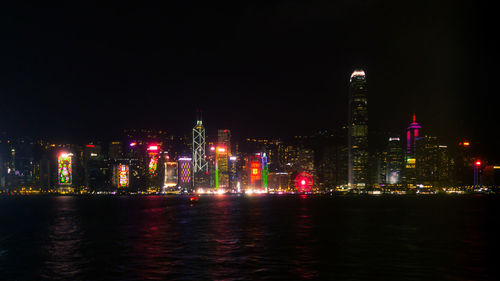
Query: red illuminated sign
[153,147]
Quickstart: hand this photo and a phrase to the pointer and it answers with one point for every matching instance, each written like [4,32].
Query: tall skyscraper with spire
[358,130]
[199,161]
[412,136]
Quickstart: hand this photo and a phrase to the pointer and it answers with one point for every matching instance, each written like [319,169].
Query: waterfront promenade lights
[477,168]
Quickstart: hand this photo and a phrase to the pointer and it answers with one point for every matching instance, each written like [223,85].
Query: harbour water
[266,237]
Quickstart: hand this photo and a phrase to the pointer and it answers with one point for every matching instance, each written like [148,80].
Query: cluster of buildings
[351,158]
[408,160]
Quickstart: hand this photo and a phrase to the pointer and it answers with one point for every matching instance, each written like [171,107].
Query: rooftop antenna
[199,115]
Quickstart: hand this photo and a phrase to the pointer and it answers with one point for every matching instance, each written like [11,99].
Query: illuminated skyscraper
[412,135]
[185,173]
[199,162]
[254,167]
[115,150]
[265,170]
[233,169]
[224,139]
[94,168]
[153,152]
[394,161]
[358,130]
[171,174]
[64,169]
[433,163]
[464,163]
[221,168]
[65,172]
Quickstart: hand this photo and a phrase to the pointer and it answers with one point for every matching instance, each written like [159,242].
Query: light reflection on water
[306,261]
[248,238]
[63,255]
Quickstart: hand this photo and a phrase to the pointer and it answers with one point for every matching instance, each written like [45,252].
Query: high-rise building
[434,165]
[394,161]
[115,150]
[265,170]
[221,168]
[171,175]
[412,136]
[224,139]
[289,157]
[358,130]
[378,168]
[121,176]
[254,168]
[306,160]
[199,161]
[464,161]
[95,168]
[201,177]
[223,152]
[233,172]
[65,171]
[185,173]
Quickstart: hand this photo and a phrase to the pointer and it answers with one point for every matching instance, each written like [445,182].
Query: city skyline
[342,161]
[282,140]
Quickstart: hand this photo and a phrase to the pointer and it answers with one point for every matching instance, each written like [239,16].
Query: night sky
[276,69]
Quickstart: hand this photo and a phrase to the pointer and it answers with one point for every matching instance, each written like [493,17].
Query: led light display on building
[255,171]
[123,176]
[171,177]
[265,170]
[153,164]
[185,172]
[412,135]
[64,172]
[153,159]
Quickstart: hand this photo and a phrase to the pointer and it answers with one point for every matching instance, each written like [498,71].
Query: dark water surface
[249,238]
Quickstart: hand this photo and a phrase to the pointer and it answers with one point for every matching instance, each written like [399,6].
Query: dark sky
[279,68]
